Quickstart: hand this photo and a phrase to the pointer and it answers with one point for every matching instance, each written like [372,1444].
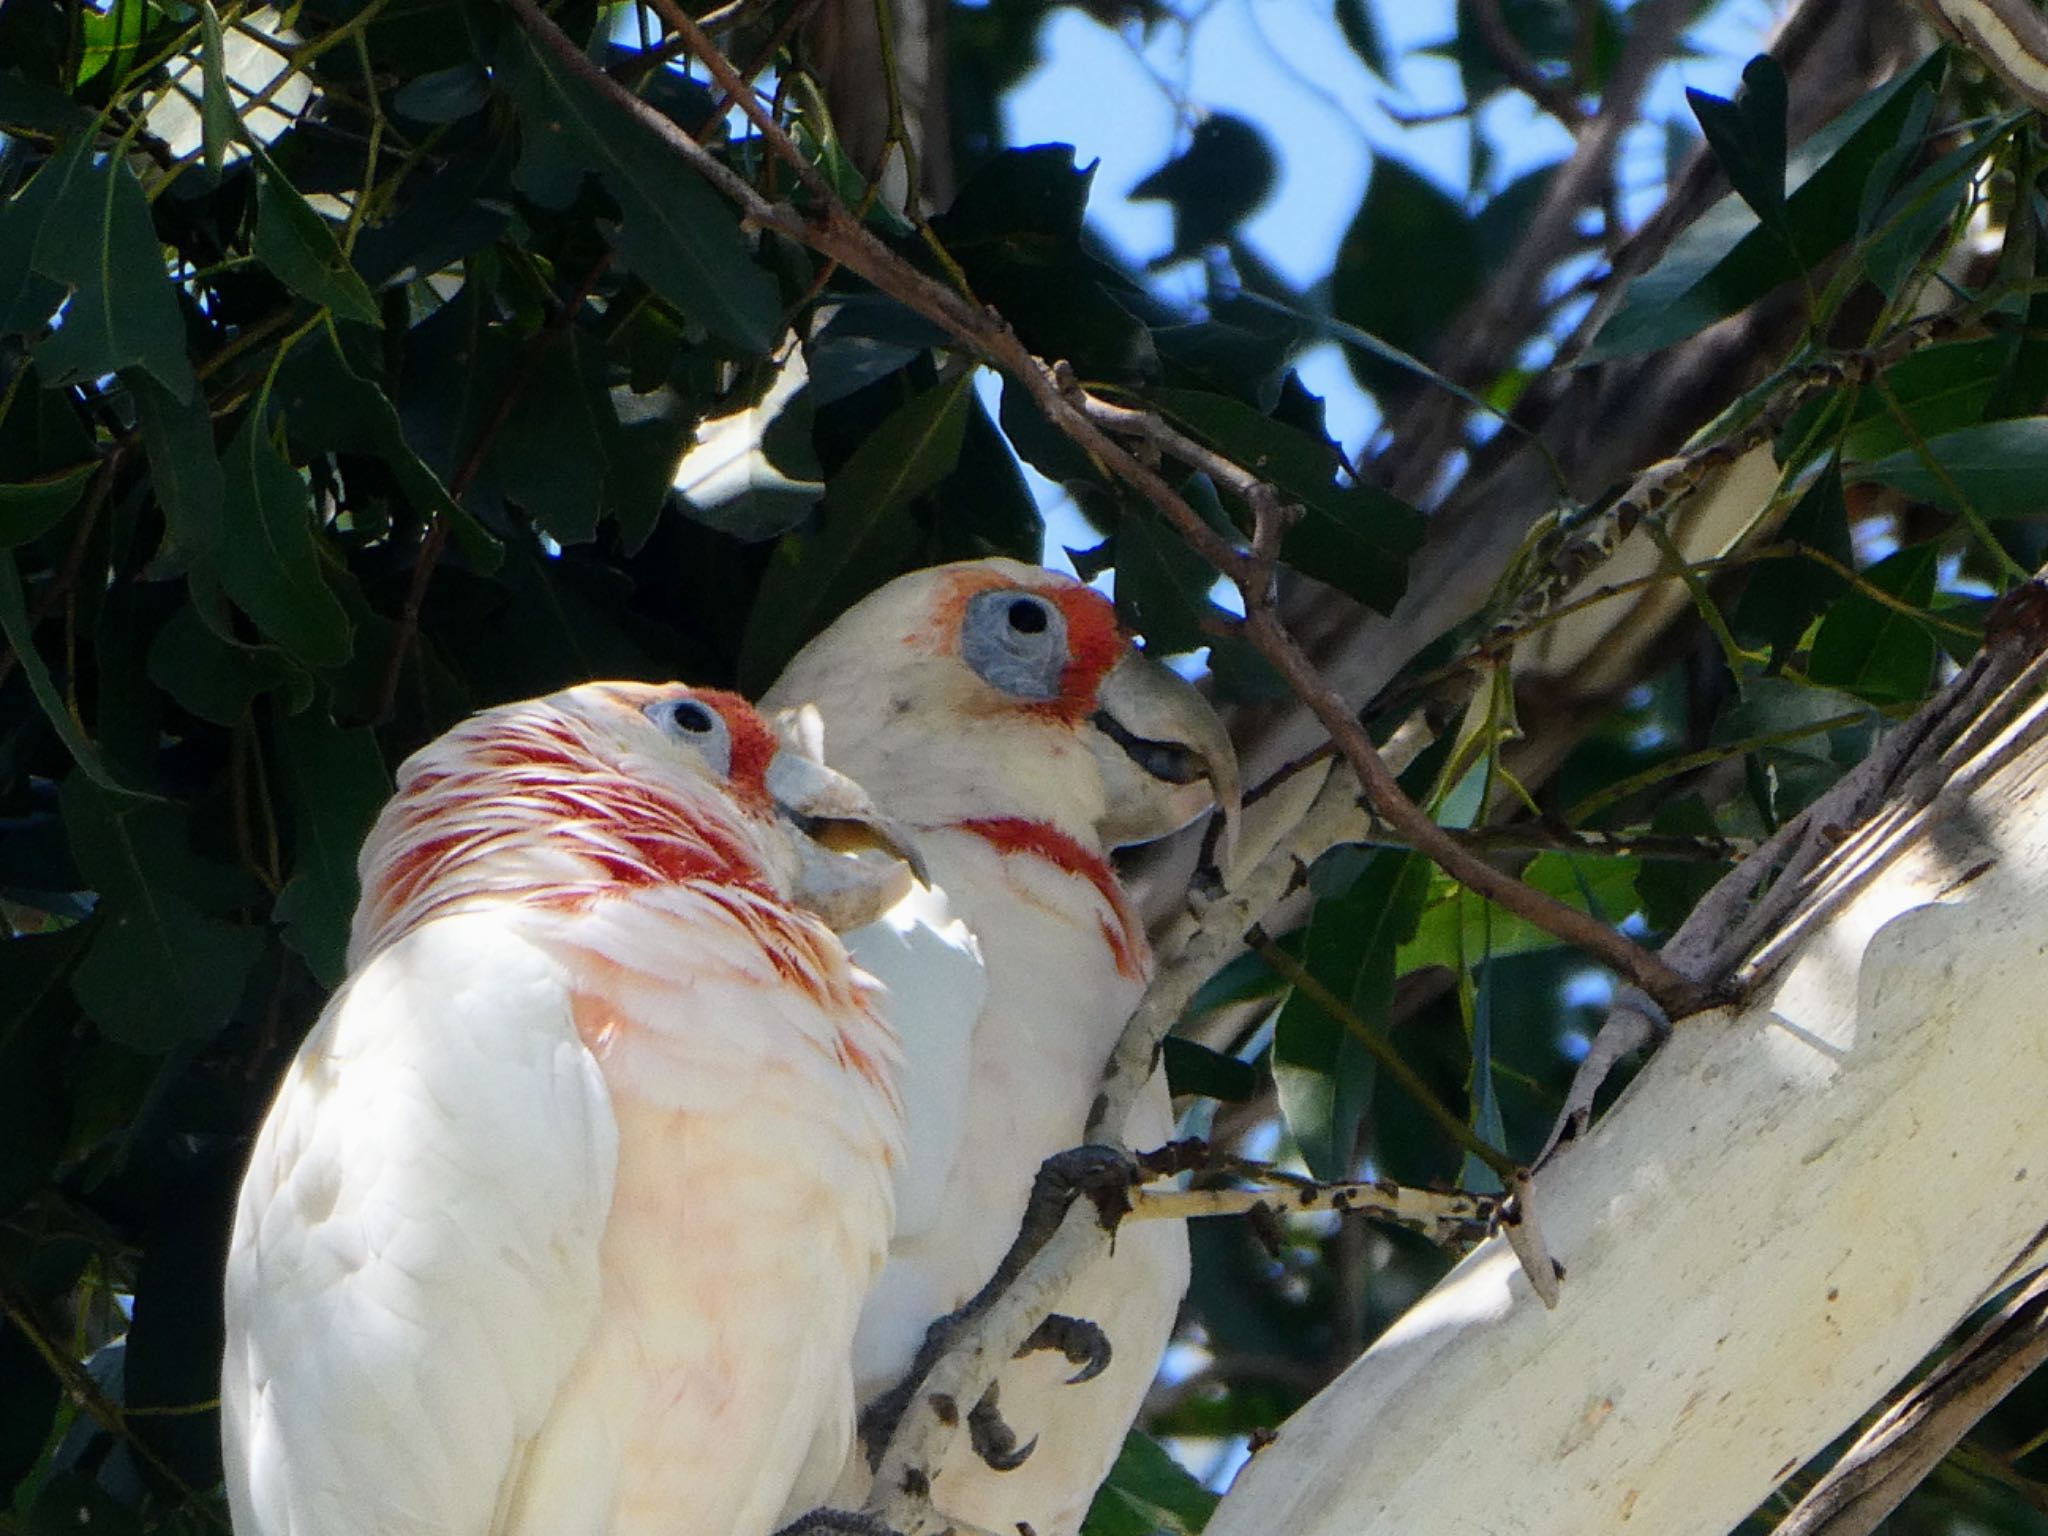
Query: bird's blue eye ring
[1016,642]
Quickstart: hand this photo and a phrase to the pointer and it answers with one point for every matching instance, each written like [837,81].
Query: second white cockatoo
[1001,713]
[561,1219]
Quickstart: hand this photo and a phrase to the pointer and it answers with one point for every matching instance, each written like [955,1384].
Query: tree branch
[1896,1454]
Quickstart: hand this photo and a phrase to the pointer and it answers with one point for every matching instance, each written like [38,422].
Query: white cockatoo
[563,1216]
[1001,714]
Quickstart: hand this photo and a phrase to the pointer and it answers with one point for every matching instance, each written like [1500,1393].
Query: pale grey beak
[854,863]
[1164,754]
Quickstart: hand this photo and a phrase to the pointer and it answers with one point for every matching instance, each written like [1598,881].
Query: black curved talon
[993,1440]
[1082,1342]
[837,1522]
[1106,1175]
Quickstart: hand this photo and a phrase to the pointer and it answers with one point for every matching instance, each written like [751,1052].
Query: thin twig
[100,1408]
[1557,97]
[1437,1214]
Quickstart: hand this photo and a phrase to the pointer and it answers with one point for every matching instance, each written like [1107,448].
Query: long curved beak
[854,863]
[1165,755]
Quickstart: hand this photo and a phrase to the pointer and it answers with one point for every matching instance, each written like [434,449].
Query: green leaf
[1670,888]
[1905,225]
[868,533]
[30,508]
[95,236]
[35,1043]
[1357,538]
[1378,285]
[335,782]
[215,677]
[1361,29]
[1747,136]
[985,507]
[1193,1068]
[159,971]
[299,247]
[1162,586]
[216,105]
[1785,596]
[1015,229]
[184,470]
[110,37]
[1727,259]
[1873,650]
[1146,1492]
[267,558]
[1459,928]
[444,95]
[1938,390]
[677,233]
[1998,465]
[329,406]
[14,625]
[1324,1077]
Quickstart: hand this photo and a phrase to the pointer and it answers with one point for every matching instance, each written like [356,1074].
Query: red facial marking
[1038,840]
[753,745]
[1095,643]
[1095,640]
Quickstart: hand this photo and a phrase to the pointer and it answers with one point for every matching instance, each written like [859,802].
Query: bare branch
[2010,37]
[1896,1454]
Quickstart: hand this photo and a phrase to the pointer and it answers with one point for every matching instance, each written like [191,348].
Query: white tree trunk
[1788,1209]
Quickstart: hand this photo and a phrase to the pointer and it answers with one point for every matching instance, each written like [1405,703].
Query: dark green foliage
[310,446]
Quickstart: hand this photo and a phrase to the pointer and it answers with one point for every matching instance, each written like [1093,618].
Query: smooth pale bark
[1789,1208]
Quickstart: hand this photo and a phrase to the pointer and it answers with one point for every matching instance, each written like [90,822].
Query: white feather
[416,1256]
[931,969]
[560,1227]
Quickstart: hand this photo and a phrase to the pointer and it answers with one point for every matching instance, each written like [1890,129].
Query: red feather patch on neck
[1041,840]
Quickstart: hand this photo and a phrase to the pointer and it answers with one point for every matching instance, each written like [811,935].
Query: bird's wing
[936,985]
[415,1260]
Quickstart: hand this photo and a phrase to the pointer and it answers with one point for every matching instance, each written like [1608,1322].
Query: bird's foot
[993,1440]
[837,1522]
[1106,1175]
[1082,1342]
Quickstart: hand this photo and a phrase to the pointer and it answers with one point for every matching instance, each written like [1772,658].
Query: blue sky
[1121,100]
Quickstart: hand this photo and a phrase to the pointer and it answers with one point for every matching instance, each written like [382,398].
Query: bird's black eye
[694,718]
[1027,616]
